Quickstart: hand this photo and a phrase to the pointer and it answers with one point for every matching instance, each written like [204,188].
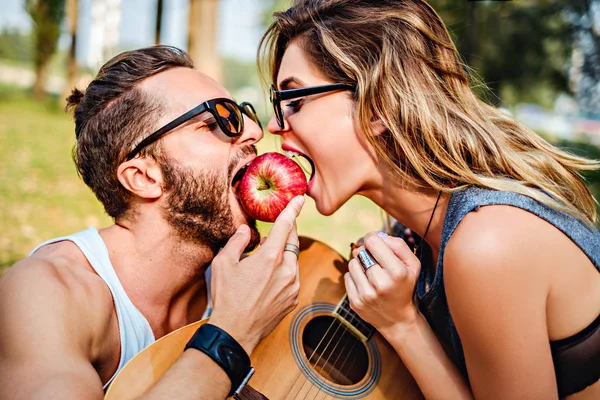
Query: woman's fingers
[354,247]
[363,287]
[392,253]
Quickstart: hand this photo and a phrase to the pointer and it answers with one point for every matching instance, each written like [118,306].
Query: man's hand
[252,295]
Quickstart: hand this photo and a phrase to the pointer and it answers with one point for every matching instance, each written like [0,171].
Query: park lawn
[41,195]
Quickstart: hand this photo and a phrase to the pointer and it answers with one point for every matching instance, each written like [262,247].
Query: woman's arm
[382,296]
[426,360]
[497,281]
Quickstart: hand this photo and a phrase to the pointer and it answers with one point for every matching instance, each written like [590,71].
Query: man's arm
[250,296]
[52,323]
[54,320]
[46,336]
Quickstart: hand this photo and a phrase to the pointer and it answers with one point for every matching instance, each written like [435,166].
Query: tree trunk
[202,37]
[46,16]
[159,13]
[41,72]
[73,13]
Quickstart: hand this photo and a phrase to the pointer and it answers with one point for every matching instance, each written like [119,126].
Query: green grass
[41,195]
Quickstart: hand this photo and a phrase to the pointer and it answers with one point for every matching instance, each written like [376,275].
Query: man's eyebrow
[286,83]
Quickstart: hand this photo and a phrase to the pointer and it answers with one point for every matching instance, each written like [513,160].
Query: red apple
[268,185]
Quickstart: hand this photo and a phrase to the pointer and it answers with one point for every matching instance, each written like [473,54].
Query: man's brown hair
[113,115]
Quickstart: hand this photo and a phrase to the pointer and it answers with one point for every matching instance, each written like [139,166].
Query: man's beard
[198,205]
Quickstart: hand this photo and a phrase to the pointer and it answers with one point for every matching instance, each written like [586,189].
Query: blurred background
[537,59]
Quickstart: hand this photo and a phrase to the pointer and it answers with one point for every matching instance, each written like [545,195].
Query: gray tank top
[575,370]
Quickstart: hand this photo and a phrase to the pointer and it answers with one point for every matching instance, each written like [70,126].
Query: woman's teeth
[290,154]
[305,163]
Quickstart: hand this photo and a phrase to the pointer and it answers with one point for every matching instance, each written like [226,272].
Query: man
[75,310]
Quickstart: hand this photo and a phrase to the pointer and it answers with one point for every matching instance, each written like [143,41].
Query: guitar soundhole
[334,352]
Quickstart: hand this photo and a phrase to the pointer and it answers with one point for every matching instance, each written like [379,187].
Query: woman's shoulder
[508,214]
[502,243]
[497,232]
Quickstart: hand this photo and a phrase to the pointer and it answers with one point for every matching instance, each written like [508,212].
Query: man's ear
[142,177]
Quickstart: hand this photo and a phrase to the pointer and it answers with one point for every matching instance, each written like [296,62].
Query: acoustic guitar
[321,350]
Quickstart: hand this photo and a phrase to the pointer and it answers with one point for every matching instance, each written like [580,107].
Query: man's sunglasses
[228,114]
[277,96]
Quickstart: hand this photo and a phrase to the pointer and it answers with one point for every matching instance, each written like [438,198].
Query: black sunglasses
[277,96]
[228,114]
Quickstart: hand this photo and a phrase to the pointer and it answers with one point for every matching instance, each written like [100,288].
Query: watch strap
[226,352]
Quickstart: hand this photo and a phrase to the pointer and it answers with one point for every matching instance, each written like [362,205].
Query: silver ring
[293,248]
[365,259]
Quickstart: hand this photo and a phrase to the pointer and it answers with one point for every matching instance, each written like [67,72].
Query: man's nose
[251,134]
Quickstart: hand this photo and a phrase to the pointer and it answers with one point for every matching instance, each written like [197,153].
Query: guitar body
[309,355]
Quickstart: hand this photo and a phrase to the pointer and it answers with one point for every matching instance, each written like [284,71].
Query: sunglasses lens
[231,117]
[249,110]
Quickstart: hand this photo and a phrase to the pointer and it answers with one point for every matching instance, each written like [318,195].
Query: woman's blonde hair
[407,73]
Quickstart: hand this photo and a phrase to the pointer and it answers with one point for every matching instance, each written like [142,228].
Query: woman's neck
[414,209]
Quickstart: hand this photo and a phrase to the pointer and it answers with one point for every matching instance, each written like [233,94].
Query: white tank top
[134,329]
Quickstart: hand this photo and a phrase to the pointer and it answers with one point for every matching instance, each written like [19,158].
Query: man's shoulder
[59,274]
[54,304]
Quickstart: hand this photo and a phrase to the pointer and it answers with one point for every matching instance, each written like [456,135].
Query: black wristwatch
[226,352]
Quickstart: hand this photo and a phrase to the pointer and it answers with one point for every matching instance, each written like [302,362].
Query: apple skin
[268,185]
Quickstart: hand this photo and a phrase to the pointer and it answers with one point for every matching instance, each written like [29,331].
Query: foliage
[15,45]
[47,16]
[519,49]
[586,149]
[238,74]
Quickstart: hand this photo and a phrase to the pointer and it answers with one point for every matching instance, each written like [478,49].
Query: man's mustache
[242,153]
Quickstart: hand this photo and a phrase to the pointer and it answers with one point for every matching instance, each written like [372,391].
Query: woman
[507,289]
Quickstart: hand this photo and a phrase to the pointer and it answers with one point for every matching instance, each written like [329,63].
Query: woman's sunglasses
[277,96]
[228,114]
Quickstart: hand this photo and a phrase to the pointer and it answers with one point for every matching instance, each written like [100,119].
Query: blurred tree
[589,150]
[72,14]
[15,45]
[519,49]
[202,37]
[47,16]
[276,5]
[584,16]
[158,26]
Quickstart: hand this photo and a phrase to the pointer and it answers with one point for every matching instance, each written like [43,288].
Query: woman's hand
[383,294]
[398,230]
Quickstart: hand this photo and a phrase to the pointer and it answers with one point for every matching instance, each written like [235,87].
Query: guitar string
[339,373]
[351,314]
[320,355]
[309,359]
[354,342]
[360,321]
[315,351]
[328,358]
